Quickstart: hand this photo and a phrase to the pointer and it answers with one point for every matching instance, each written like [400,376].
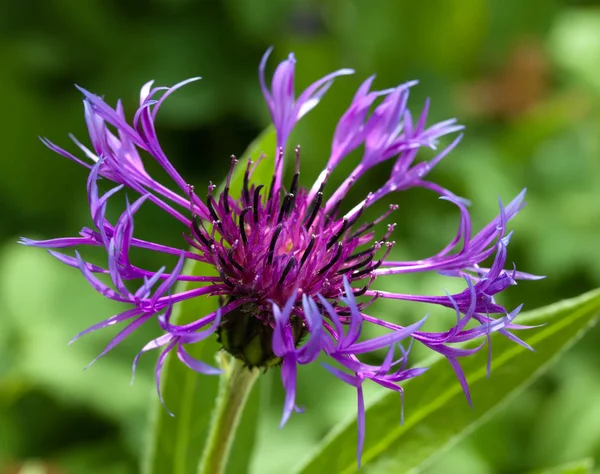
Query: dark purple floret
[293,274]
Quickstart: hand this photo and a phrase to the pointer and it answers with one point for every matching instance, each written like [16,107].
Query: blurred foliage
[523,77]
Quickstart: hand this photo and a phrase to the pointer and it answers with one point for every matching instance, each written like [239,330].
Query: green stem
[236,384]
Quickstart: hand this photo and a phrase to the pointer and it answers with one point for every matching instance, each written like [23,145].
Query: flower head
[295,276]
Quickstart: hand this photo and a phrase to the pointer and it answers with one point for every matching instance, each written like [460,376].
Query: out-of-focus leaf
[575,44]
[175,443]
[32,467]
[571,408]
[42,323]
[437,413]
[583,466]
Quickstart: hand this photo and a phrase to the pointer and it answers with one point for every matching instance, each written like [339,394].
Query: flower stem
[235,386]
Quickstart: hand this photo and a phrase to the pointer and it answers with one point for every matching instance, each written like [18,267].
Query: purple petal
[355,316]
[124,316]
[159,366]
[309,99]
[72,262]
[288,378]
[343,376]
[97,284]
[461,378]
[361,424]
[121,336]
[57,243]
[311,349]
[382,341]
[169,282]
[196,365]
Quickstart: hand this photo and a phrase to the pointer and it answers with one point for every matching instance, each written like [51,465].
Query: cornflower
[290,265]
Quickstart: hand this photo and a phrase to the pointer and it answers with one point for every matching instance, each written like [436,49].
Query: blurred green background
[524,77]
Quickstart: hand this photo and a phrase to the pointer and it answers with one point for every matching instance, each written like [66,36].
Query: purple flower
[295,275]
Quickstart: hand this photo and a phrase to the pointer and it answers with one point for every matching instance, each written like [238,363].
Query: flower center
[270,246]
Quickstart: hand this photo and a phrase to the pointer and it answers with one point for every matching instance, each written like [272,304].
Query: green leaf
[438,415]
[583,466]
[574,42]
[175,443]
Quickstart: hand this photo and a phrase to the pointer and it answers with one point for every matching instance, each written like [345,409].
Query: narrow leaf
[437,415]
[175,443]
